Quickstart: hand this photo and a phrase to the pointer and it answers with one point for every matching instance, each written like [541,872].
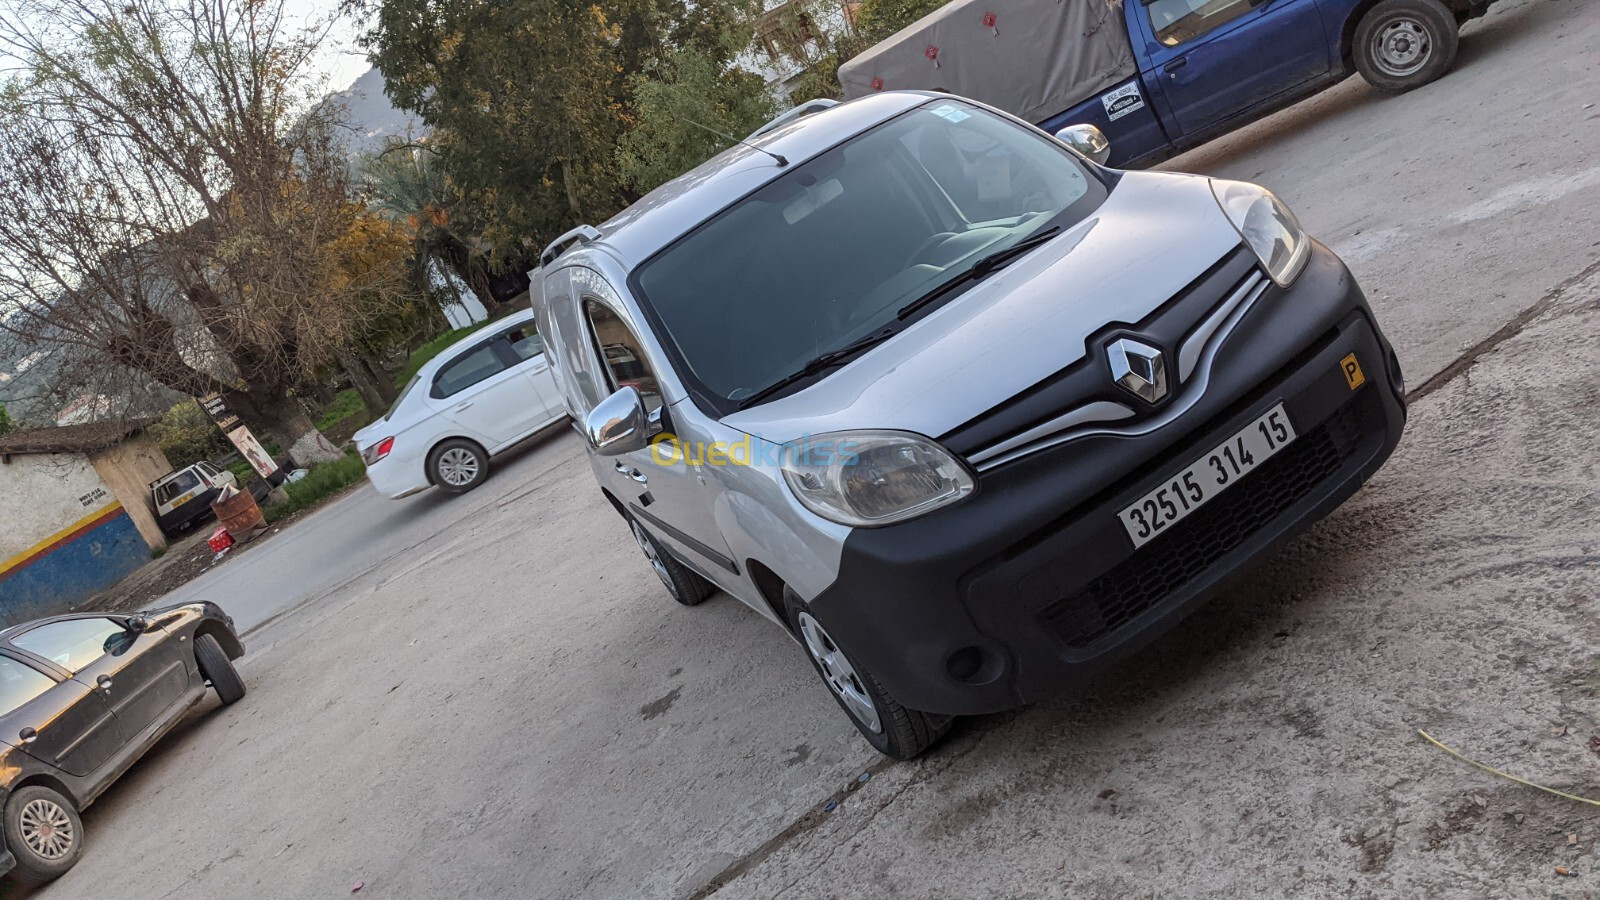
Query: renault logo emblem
[1138,368]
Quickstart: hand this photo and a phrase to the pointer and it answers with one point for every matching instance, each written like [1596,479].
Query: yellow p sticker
[1352,371]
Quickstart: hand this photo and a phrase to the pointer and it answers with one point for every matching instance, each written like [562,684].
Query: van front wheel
[1404,44]
[891,728]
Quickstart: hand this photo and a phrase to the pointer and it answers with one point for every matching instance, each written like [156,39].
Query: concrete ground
[492,696]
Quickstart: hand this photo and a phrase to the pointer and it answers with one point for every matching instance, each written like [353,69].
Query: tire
[458,466]
[891,728]
[1404,44]
[218,669]
[685,585]
[42,857]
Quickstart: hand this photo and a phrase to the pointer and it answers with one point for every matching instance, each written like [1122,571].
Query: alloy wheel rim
[650,553]
[840,675]
[46,829]
[1401,47]
[458,466]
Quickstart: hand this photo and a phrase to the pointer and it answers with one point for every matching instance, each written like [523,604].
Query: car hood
[1155,234]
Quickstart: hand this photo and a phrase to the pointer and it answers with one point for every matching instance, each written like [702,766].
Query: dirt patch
[657,708]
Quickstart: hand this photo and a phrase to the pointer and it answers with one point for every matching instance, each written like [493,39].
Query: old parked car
[966,413]
[82,697]
[183,498]
[478,397]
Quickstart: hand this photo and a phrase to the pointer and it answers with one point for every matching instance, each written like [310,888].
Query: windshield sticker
[952,112]
[1123,100]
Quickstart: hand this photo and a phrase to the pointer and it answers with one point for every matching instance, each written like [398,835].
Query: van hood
[1155,234]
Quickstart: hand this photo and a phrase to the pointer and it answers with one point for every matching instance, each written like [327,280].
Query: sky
[341,61]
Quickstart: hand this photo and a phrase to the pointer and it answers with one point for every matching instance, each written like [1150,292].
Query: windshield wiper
[822,363]
[980,270]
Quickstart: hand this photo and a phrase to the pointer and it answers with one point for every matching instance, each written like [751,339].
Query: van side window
[622,353]
[1177,21]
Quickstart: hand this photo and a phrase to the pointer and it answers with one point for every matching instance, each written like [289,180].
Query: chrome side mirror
[618,424]
[1088,140]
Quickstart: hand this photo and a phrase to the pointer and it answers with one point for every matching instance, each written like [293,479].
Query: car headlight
[872,478]
[1267,226]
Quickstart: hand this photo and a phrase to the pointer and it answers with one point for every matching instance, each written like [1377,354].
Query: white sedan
[478,397]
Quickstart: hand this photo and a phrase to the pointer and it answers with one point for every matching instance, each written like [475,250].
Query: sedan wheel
[43,833]
[46,829]
[458,466]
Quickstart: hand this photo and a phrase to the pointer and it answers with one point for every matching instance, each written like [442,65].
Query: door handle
[27,735]
[635,474]
[621,467]
[464,406]
[1177,64]
[104,682]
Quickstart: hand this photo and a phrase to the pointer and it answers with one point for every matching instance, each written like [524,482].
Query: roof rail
[582,234]
[799,112]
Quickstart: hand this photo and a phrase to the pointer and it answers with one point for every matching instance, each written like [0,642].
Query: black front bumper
[1033,583]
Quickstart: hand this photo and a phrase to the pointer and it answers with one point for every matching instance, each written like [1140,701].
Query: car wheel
[685,586]
[890,727]
[1404,44]
[218,669]
[43,832]
[458,466]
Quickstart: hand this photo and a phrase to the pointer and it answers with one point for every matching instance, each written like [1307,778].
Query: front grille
[1171,561]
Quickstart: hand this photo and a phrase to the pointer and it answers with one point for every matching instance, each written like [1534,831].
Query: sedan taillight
[377,451]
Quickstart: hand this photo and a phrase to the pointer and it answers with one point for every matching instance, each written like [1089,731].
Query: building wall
[127,469]
[64,535]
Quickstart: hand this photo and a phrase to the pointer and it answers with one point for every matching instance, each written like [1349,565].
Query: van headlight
[1267,226]
[871,478]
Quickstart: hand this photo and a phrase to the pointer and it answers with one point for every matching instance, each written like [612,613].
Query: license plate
[184,499]
[1211,474]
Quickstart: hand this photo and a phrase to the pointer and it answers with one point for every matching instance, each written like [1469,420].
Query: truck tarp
[1031,58]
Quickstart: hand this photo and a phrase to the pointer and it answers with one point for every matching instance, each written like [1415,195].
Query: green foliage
[345,404]
[527,100]
[878,19]
[694,87]
[243,471]
[186,435]
[321,482]
[5,420]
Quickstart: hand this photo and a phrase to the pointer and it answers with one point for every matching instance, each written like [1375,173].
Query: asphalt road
[492,696]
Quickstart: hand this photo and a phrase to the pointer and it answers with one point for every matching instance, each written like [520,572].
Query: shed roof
[86,438]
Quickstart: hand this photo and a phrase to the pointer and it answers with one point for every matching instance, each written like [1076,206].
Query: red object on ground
[220,540]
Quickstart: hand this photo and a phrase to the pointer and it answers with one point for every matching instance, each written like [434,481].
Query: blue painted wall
[69,574]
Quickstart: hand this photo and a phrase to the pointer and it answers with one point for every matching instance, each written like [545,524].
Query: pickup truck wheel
[43,832]
[1404,44]
[891,728]
[685,586]
[218,669]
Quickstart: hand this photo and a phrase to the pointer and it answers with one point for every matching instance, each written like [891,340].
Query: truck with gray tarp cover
[1160,76]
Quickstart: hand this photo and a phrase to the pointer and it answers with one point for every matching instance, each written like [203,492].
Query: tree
[522,100]
[180,208]
[693,90]
[5,420]
[405,183]
[527,100]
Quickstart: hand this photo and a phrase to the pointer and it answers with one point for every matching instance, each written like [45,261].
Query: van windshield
[832,251]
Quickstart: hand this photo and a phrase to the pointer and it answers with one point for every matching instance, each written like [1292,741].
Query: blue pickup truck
[1160,76]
